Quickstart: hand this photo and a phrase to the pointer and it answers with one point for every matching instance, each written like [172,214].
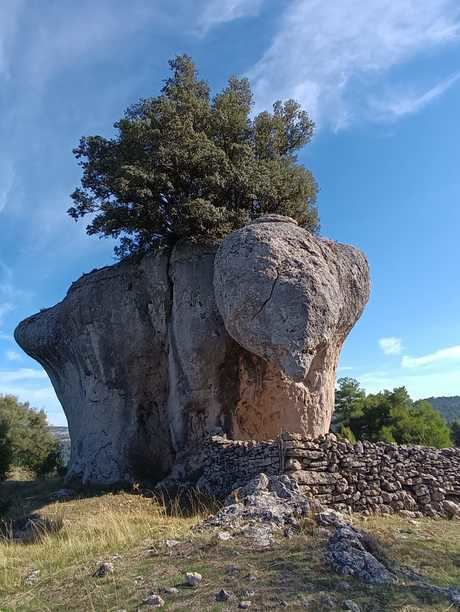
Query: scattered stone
[261,536]
[155,601]
[348,553]
[351,605]
[171,591]
[103,569]
[248,594]
[330,518]
[224,536]
[328,601]
[171,543]
[30,529]
[344,586]
[451,508]
[62,495]
[266,504]
[244,605]
[33,577]
[193,579]
[223,595]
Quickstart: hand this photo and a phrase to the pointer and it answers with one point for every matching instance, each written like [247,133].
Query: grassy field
[131,531]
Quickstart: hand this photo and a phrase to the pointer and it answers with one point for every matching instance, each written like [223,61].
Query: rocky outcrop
[291,299]
[149,357]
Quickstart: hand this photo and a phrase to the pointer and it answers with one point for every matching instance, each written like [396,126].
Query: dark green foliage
[389,416]
[449,407]
[349,398]
[185,165]
[32,444]
[455,432]
[6,452]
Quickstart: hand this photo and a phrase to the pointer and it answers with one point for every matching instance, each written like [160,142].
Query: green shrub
[32,445]
[185,165]
[6,451]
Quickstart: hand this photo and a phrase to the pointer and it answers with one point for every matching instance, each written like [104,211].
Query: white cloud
[217,12]
[398,104]
[326,53]
[13,356]
[391,345]
[23,374]
[448,354]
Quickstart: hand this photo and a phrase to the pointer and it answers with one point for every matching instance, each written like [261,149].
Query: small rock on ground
[171,590]
[223,595]
[244,605]
[193,579]
[155,601]
[33,577]
[351,605]
[103,570]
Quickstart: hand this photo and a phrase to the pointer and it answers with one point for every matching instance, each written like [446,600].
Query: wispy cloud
[90,26]
[391,345]
[216,12]
[5,308]
[328,54]
[419,385]
[13,356]
[397,103]
[6,183]
[449,354]
[22,374]
[9,14]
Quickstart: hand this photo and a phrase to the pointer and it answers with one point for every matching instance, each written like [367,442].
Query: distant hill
[449,407]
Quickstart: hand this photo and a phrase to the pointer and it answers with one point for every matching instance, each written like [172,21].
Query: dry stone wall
[364,477]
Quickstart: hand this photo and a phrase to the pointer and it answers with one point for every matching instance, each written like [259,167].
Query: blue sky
[382,81]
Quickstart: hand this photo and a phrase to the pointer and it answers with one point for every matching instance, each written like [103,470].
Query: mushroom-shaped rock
[150,356]
[291,298]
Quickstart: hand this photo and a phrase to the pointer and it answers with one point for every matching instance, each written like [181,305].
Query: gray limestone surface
[150,356]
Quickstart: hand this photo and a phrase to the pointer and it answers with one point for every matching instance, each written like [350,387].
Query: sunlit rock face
[149,357]
[291,299]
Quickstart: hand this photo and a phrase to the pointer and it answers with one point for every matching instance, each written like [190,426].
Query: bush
[183,165]
[32,445]
[6,452]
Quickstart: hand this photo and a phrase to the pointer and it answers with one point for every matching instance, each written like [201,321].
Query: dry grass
[130,531]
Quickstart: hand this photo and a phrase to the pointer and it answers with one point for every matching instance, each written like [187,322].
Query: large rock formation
[147,358]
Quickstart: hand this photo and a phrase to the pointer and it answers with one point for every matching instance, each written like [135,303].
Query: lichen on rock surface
[149,357]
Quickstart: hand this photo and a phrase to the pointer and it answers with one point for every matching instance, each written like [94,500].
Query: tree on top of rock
[185,165]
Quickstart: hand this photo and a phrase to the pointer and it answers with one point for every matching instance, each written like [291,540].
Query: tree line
[389,416]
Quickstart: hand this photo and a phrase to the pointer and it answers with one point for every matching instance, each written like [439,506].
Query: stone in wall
[363,477]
